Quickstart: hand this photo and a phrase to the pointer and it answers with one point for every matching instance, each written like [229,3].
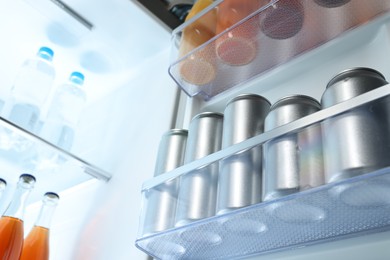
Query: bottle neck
[76,81]
[45,56]
[45,215]
[3,184]
[17,205]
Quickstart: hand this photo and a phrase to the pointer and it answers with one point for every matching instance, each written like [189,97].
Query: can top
[248,96]
[176,131]
[351,83]
[208,114]
[292,99]
[290,108]
[331,4]
[352,72]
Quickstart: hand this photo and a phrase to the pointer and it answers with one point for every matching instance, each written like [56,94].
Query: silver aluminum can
[331,3]
[355,142]
[294,160]
[240,174]
[198,189]
[162,199]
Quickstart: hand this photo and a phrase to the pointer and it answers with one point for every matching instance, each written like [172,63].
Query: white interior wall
[100,220]
[130,104]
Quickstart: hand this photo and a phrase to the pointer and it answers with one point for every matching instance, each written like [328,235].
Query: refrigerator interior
[130,101]
[307,74]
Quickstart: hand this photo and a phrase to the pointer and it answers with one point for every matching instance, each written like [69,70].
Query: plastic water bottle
[31,89]
[64,111]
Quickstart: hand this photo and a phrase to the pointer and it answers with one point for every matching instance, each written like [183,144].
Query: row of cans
[350,144]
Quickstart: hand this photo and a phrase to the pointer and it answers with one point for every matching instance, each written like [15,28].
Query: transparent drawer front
[327,195]
[348,208]
[232,41]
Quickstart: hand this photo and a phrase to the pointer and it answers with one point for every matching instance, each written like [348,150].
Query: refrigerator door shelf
[208,59]
[55,169]
[350,207]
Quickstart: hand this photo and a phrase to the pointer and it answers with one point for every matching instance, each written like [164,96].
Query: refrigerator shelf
[337,210]
[54,168]
[208,59]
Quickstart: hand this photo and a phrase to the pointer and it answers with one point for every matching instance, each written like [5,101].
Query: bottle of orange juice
[199,67]
[239,45]
[36,244]
[11,223]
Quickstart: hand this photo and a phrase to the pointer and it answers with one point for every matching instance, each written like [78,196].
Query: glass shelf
[337,210]
[208,59]
[54,168]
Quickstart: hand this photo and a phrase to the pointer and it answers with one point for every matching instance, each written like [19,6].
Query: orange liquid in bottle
[11,238]
[239,45]
[199,68]
[36,244]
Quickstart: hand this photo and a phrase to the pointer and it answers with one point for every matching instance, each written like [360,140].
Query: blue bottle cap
[46,53]
[77,77]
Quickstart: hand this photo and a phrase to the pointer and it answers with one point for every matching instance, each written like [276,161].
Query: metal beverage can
[331,3]
[161,200]
[198,189]
[355,142]
[240,174]
[292,161]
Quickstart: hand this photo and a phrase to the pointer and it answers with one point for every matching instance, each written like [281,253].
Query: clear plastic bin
[207,61]
[354,206]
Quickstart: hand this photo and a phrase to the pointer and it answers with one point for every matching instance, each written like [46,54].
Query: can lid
[248,96]
[331,4]
[349,72]
[293,99]
[208,114]
[176,131]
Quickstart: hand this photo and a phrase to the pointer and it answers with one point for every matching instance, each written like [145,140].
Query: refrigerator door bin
[55,169]
[208,59]
[336,210]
